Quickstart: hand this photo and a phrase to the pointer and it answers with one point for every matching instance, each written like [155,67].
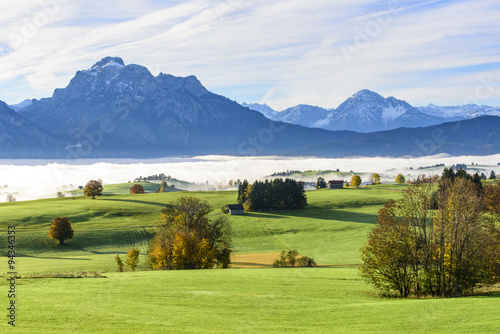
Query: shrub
[291,259]
[305,261]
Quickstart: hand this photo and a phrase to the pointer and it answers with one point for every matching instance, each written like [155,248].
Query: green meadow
[331,298]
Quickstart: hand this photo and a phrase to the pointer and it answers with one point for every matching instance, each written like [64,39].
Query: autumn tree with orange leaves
[60,229]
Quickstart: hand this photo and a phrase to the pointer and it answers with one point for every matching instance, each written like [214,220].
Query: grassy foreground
[313,300]
[329,299]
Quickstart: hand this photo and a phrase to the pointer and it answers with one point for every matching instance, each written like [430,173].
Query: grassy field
[124,188]
[331,228]
[331,298]
[313,300]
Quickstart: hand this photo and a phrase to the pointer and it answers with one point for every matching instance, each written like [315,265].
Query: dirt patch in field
[266,260]
[254,260]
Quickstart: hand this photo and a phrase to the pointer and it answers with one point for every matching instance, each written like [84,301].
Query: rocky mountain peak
[107,61]
[190,84]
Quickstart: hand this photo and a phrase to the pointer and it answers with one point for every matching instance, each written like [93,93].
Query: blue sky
[277,52]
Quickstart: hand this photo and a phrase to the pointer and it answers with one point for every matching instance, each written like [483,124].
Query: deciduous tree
[321,183]
[355,181]
[92,189]
[10,198]
[119,262]
[137,189]
[132,258]
[60,229]
[400,179]
[188,239]
[376,178]
[417,250]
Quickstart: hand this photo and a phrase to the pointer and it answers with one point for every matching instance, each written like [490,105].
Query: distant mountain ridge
[21,138]
[467,111]
[367,111]
[118,110]
[114,110]
[20,105]
[477,136]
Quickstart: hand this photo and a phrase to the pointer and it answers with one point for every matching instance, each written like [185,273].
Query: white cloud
[281,52]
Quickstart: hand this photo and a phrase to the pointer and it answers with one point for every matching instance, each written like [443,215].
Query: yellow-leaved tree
[355,181]
[188,239]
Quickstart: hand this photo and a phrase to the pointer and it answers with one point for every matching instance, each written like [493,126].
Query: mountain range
[115,110]
[367,111]
[20,138]
[118,110]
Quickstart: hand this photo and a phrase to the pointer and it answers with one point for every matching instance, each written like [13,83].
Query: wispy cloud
[281,52]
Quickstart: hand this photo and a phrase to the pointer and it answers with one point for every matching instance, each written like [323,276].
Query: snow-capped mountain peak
[263,108]
[460,112]
[107,61]
[365,111]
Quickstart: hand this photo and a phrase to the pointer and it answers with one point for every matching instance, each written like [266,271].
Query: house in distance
[336,184]
[235,209]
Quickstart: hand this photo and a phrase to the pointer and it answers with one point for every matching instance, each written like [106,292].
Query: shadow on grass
[54,257]
[486,295]
[317,213]
[251,264]
[84,242]
[360,204]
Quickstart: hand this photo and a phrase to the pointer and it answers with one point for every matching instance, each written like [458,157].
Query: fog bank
[34,179]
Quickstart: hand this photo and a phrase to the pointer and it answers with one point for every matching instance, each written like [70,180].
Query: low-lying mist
[34,179]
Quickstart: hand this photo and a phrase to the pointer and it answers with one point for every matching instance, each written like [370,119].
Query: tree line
[439,239]
[276,194]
